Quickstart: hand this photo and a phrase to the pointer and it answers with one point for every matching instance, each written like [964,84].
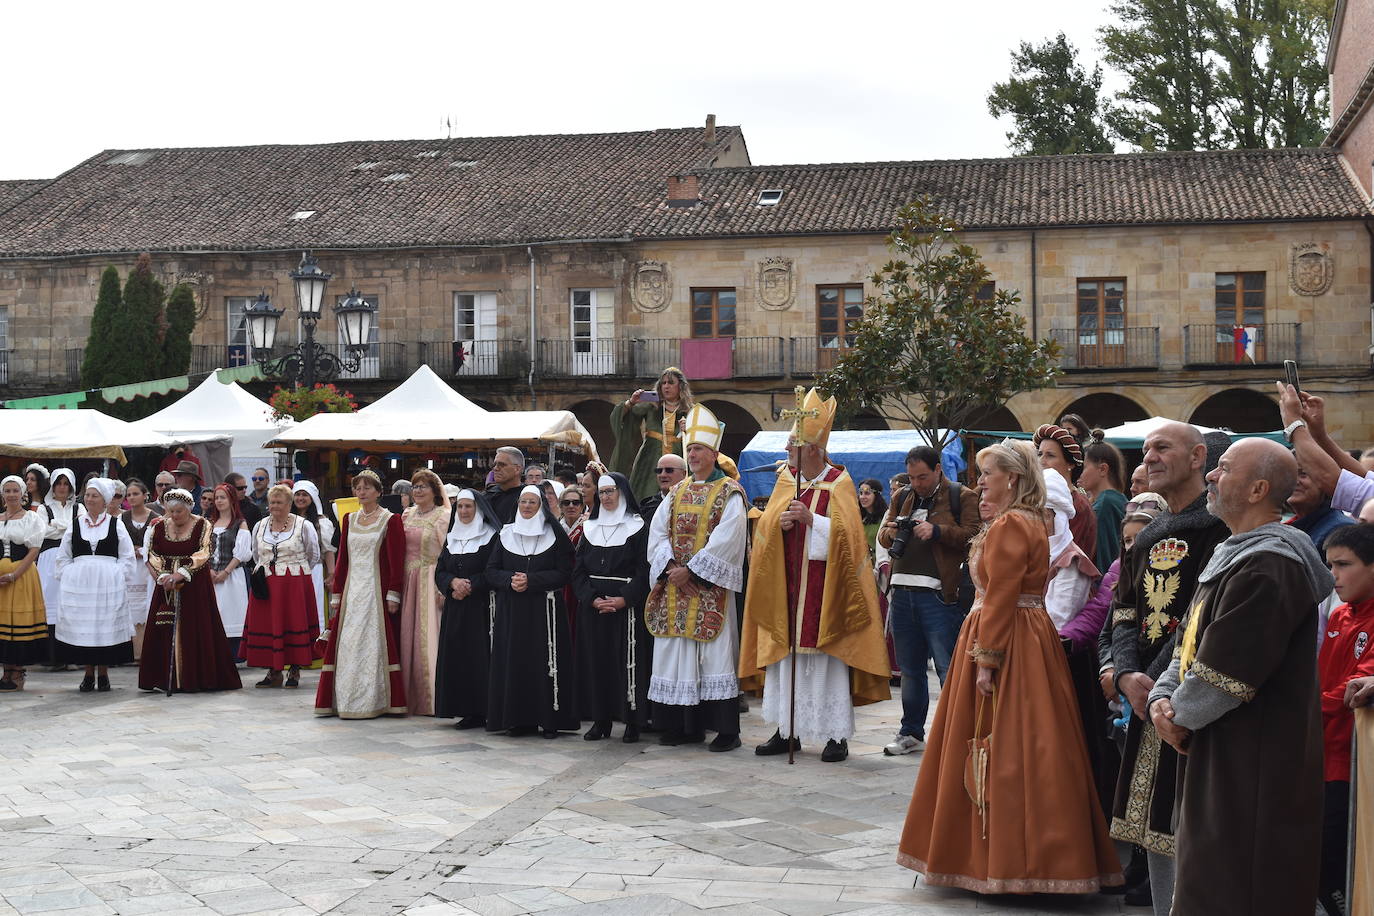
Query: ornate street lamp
[308,361]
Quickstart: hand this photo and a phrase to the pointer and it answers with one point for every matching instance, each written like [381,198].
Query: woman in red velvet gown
[183,636]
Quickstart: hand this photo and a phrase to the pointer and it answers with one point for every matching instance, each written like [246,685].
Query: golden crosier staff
[798,441]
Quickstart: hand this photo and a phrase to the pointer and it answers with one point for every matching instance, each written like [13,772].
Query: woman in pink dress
[426,522]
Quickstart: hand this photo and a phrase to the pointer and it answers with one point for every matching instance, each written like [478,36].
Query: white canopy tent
[86,433]
[424,414]
[214,407]
[1132,435]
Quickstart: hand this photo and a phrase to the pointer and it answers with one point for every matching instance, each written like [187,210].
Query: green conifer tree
[179,323]
[102,342]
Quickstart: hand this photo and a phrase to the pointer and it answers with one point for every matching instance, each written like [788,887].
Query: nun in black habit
[466,626]
[611,580]
[532,683]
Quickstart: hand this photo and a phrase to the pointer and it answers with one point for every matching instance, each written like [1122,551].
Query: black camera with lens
[905,525]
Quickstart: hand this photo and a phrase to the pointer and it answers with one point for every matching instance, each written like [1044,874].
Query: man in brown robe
[1239,699]
[1158,575]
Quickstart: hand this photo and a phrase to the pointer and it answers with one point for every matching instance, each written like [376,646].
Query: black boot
[631,735]
[87,683]
[776,745]
[835,751]
[725,743]
[470,722]
[598,731]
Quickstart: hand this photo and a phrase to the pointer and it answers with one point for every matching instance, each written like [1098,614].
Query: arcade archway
[1239,410]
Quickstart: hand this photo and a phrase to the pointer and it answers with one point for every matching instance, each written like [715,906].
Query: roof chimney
[683,191]
[710,129]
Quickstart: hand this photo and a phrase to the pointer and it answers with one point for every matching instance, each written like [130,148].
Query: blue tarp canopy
[878,453]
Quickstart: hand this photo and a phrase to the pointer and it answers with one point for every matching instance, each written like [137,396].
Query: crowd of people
[1128,660]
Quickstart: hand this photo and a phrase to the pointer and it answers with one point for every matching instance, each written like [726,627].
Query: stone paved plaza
[243,802]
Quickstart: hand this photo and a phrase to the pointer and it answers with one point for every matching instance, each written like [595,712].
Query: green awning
[241,374]
[144,389]
[67,401]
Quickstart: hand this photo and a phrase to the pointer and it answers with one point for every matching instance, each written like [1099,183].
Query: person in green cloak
[647,426]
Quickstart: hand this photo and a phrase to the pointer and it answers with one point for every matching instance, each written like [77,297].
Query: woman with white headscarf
[614,650]
[94,564]
[1072,574]
[466,624]
[23,627]
[60,509]
[532,683]
[305,501]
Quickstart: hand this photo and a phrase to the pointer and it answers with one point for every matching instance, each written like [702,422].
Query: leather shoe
[470,722]
[102,684]
[598,731]
[724,743]
[835,751]
[87,684]
[631,735]
[550,733]
[776,745]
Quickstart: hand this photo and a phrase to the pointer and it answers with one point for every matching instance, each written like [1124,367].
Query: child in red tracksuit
[1346,654]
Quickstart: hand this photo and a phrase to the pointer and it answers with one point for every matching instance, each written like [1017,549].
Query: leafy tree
[103,343]
[929,351]
[1055,104]
[1213,74]
[178,324]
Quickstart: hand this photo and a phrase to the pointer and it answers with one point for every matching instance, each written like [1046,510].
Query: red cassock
[361,677]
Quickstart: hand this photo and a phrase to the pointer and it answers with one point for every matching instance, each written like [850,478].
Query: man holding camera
[926,533]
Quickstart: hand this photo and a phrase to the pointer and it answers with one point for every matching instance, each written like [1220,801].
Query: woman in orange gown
[1040,828]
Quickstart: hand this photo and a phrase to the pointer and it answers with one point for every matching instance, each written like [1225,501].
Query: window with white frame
[474,329]
[592,320]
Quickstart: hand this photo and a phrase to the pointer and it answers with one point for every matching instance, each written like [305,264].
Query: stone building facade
[637,251]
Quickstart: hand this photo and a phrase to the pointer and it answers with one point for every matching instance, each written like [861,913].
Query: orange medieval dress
[1042,829]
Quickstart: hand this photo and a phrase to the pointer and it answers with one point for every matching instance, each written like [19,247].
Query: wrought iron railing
[612,357]
[481,358]
[1120,348]
[1234,345]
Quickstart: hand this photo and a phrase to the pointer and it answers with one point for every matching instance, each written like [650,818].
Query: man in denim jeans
[923,606]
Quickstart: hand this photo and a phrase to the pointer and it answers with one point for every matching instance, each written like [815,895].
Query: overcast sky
[808,82]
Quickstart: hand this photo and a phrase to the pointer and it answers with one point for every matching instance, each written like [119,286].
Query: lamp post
[308,361]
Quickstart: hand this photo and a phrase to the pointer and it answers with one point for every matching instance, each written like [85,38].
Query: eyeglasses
[259,479]
[570,502]
[608,491]
[163,486]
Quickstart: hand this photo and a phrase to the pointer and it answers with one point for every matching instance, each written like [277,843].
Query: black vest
[108,546]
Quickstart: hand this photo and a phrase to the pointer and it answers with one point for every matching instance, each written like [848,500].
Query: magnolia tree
[930,351]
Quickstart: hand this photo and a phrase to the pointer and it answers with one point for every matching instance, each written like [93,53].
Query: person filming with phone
[647,426]
[926,532]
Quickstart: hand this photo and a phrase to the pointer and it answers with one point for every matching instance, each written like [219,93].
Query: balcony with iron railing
[812,356]
[1122,349]
[1227,346]
[497,359]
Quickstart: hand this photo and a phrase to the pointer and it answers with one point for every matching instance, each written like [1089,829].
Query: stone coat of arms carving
[777,283]
[1310,270]
[651,286]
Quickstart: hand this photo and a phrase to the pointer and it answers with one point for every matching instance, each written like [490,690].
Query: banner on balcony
[708,359]
[1245,340]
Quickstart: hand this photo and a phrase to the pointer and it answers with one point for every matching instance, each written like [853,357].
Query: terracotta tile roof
[15,190]
[513,190]
[382,194]
[1033,191]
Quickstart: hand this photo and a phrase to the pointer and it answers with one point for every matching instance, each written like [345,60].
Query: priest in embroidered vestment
[1240,698]
[810,565]
[697,541]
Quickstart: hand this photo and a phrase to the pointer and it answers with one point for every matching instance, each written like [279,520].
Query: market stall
[216,408]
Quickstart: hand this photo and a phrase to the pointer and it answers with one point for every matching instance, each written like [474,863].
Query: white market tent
[1132,435]
[87,433]
[214,407]
[424,414]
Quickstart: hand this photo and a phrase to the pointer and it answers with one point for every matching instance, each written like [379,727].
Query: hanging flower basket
[300,402]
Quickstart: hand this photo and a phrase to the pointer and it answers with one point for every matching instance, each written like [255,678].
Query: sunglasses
[664,470]
[259,479]
[241,486]
[570,502]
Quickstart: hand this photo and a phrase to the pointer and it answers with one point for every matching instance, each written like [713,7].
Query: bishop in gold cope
[812,631]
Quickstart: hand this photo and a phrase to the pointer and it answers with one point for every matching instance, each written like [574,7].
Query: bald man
[1158,575]
[1240,699]
[670,469]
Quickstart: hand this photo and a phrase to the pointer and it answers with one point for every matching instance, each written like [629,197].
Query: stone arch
[1105,409]
[996,419]
[1239,410]
[867,420]
[595,415]
[740,426]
